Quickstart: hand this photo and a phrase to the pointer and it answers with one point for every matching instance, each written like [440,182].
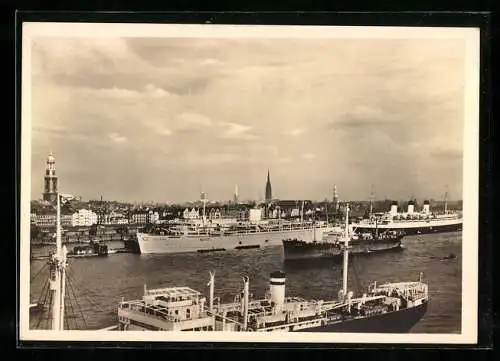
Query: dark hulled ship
[361,244]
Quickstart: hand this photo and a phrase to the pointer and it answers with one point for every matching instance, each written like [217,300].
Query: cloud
[295,132]
[117,138]
[229,102]
[237,131]
[158,128]
[211,61]
[308,156]
[285,160]
[194,119]
[114,92]
[156,92]
[149,91]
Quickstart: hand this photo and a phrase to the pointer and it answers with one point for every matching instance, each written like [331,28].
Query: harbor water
[97,284]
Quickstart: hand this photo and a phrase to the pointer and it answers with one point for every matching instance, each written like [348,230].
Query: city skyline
[165,119]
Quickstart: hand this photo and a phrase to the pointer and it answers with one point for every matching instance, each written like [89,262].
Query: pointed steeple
[269,193]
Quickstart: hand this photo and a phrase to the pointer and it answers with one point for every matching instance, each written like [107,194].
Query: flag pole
[55,274]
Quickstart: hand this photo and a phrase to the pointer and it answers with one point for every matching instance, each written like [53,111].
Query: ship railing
[219,314]
[140,307]
[285,325]
[331,305]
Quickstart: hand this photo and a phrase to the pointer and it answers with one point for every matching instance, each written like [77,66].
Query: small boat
[451,256]
[94,249]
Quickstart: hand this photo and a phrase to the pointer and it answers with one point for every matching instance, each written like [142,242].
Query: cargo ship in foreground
[411,222]
[384,308]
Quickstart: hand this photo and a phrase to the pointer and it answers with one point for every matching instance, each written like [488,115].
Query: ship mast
[57,275]
[346,252]
[446,200]
[212,286]
[314,226]
[203,199]
[371,202]
[302,214]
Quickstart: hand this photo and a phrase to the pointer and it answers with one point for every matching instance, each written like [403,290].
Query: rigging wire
[91,301]
[356,278]
[44,291]
[70,304]
[44,310]
[72,290]
[39,272]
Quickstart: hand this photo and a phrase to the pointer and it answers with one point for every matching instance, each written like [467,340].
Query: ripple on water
[100,283]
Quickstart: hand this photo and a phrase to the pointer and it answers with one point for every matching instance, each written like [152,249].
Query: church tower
[50,184]
[235,196]
[335,199]
[269,193]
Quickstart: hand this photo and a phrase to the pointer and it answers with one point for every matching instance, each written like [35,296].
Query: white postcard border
[470,175]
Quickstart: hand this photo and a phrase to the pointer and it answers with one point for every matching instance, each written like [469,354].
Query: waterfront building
[191,214]
[84,217]
[144,217]
[140,217]
[48,220]
[154,217]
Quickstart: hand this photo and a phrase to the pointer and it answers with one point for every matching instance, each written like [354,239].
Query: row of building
[87,218]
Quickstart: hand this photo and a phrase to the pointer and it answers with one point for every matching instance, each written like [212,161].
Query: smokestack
[411,207]
[277,289]
[394,208]
[426,207]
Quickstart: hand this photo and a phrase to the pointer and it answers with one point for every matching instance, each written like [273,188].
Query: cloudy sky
[163,118]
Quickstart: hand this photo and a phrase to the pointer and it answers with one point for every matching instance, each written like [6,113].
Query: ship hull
[153,244]
[412,229]
[393,322]
[298,251]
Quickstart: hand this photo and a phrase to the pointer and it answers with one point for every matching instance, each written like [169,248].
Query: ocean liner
[384,308]
[411,222]
[222,235]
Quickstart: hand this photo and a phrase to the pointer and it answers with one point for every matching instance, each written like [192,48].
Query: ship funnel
[426,207]
[277,289]
[411,207]
[394,208]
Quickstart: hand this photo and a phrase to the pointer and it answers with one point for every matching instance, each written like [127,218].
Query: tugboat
[92,250]
[385,308]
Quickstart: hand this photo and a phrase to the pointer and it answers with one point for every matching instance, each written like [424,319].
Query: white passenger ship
[411,222]
[188,237]
[220,234]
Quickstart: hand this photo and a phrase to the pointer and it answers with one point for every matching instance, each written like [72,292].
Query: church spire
[269,193]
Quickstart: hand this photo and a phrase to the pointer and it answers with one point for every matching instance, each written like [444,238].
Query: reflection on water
[100,283]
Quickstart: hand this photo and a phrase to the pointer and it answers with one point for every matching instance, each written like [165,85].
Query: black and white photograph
[238,181]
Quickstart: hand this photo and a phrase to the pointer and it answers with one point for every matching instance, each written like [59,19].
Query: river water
[96,285]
